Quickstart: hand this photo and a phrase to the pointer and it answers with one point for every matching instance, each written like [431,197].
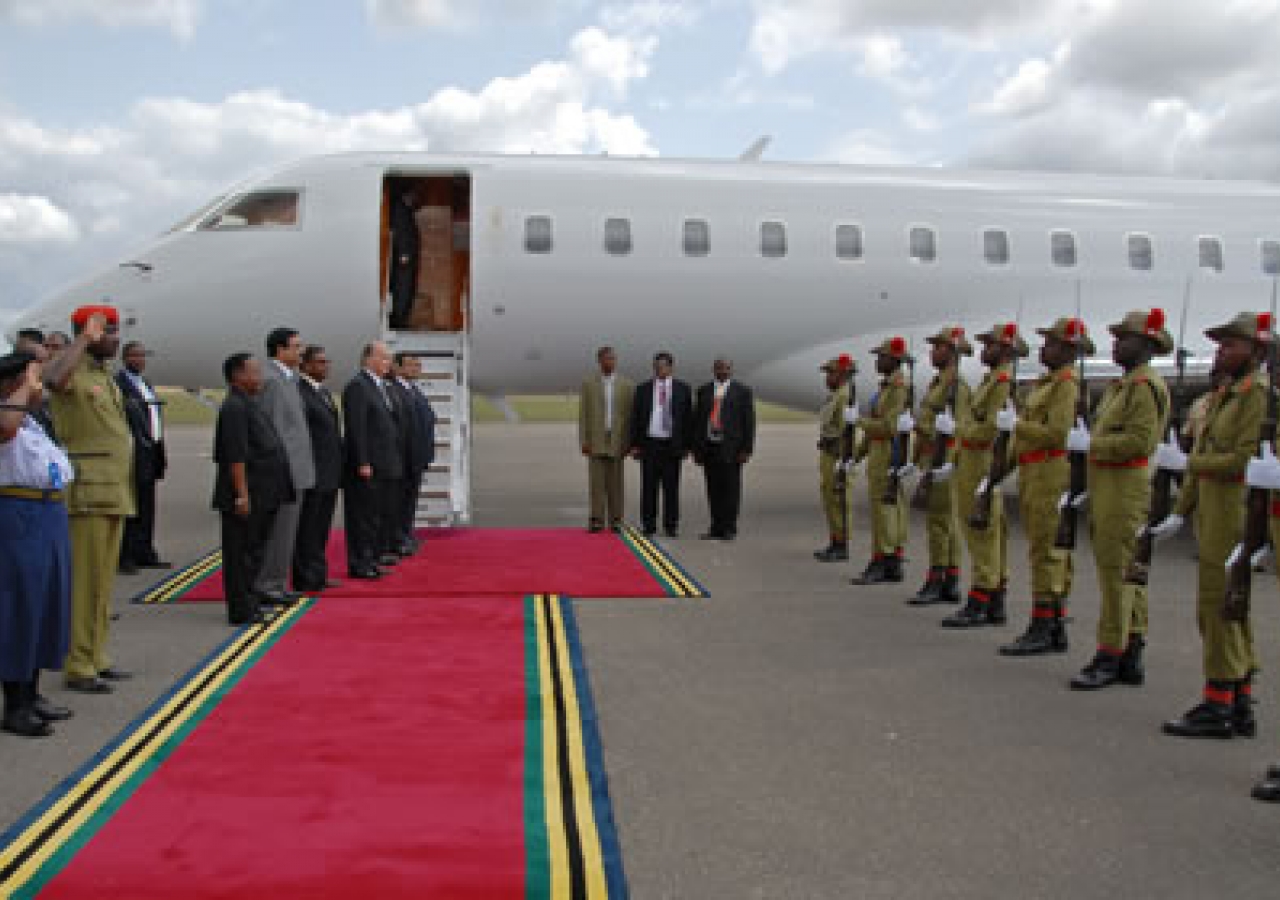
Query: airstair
[445,499]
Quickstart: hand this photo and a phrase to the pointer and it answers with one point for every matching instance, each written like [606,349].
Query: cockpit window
[276,208]
[191,219]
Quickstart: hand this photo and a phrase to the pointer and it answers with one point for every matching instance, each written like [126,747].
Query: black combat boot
[836,551]
[1046,633]
[1268,789]
[893,568]
[974,612]
[1132,670]
[950,590]
[1242,720]
[1102,671]
[995,609]
[928,593]
[1209,719]
[876,572]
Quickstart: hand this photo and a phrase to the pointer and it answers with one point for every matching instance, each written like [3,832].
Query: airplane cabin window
[848,242]
[697,237]
[617,236]
[256,209]
[537,234]
[773,240]
[1063,246]
[1141,252]
[1271,257]
[1211,254]
[995,247]
[924,245]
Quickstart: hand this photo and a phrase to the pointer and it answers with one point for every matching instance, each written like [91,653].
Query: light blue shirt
[30,460]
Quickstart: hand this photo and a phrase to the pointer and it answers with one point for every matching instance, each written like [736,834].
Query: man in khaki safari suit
[604,427]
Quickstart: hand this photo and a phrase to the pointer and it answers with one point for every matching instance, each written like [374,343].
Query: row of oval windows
[922,244]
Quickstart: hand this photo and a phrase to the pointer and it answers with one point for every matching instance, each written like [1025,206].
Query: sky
[118,117]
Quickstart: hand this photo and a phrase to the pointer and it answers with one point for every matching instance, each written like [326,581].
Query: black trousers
[404,288]
[410,487]
[391,499]
[659,469]
[310,565]
[365,511]
[243,538]
[724,493]
[138,545]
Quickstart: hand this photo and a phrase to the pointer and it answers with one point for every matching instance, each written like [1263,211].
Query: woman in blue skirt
[35,570]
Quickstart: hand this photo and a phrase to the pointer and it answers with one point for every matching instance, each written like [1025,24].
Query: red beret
[81,315]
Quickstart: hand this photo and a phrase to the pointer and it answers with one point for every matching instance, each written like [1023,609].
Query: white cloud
[456,14]
[25,219]
[619,61]
[867,146]
[1026,90]
[649,16]
[179,16]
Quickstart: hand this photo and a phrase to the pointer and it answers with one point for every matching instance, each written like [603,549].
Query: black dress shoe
[713,535]
[88,686]
[671,532]
[50,712]
[388,559]
[832,553]
[128,568]
[331,583]
[365,574]
[26,723]
[111,673]
[1102,671]
[595,528]
[1206,720]
[156,564]
[1273,772]
[648,532]
[1268,791]
[616,527]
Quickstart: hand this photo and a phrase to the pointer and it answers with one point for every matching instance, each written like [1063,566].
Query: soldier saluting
[888,418]
[836,415]
[988,547]
[1040,448]
[947,395]
[1131,417]
[1214,490]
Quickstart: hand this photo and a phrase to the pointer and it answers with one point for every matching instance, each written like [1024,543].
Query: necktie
[666,407]
[715,410]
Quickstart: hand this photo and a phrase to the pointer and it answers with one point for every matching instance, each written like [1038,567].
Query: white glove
[1170,456]
[944,424]
[851,415]
[1264,471]
[906,423]
[942,474]
[1075,503]
[982,487]
[1007,418]
[907,471]
[1261,556]
[1078,438]
[1171,525]
[847,466]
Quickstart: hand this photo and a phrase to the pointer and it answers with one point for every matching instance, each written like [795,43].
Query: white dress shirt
[606,382]
[29,460]
[153,404]
[660,421]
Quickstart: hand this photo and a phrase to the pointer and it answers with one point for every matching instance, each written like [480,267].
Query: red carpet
[378,752]
[495,562]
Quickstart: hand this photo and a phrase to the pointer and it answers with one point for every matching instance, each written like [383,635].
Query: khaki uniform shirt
[936,399]
[90,420]
[1131,418]
[1229,437]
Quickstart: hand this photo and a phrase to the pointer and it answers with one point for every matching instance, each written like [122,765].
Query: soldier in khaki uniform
[88,412]
[1131,416]
[604,433]
[988,547]
[1040,450]
[1263,473]
[937,422]
[836,413]
[887,418]
[1214,490]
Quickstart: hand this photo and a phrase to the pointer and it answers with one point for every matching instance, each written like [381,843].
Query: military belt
[1224,479]
[1039,456]
[22,493]
[1140,463]
[975,445]
[928,448]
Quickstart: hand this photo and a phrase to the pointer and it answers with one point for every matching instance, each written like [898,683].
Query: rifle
[1139,568]
[901,443]
[939,458]
[846,455]
[980,516]
[1069,515]
[1235,605]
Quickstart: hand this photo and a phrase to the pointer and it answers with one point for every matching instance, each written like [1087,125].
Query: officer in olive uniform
[1214,490]
[1131,416]
[888,418]
[947,396]
[1263,473]
[1040,450]
[88,412]
[837,413]
[988,547]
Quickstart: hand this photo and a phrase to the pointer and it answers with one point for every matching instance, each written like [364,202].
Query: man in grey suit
[604,432]
[282,402]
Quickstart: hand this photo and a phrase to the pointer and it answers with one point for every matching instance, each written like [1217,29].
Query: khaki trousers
[95,554]
[604,483]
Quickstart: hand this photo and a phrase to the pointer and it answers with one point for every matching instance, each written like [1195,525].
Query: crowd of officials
[82,449]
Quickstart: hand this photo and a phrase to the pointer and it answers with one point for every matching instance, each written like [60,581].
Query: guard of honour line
[71,446]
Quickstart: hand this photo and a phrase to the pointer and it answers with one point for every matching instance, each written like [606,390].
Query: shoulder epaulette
[1002,377]
[1067,374]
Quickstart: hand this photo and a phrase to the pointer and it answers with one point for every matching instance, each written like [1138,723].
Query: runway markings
[177,584]
[42,842]
[670,574]
[571,843]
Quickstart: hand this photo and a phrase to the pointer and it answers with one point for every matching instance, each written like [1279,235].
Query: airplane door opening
[433,284]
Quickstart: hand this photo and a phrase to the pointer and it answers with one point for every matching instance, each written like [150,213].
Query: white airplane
[530,262]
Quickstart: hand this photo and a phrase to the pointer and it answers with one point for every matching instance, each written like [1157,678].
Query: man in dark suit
[724,437]
[142,409]
[420,452]
[253,480]
[374,461]
[661,434]
[406,248]
[310,565]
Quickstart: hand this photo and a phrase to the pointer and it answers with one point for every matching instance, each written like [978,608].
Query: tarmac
[794,736]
